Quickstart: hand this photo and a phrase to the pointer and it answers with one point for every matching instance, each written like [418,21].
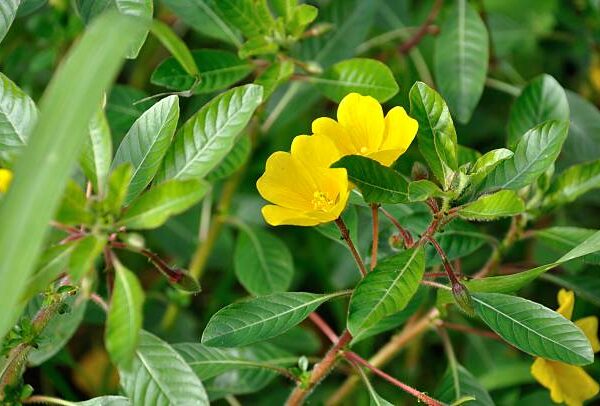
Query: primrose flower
[5,179]
[303,189]
[568,383]
[361,129]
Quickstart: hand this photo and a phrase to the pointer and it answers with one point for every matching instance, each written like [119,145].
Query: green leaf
[202,16]
[486,163]
[105,401]
[208,362]
[461,59]
[209,135]
[237,157]
[533,328]
[249,16]
[176,47]
[68,104]
[469,386]
[301,16]
[436,134]
[97,153]
[263,263]
[421,190]
[368,77]
[564,239]
[535,152]
[376,182]
[572,183]
[386,290]
[374,398]
[124,319]
[254,320]
[124,106]
[73,209]
[583,142]
[504,203]
[153,208]
[160,376]
[118,183]
[146,143]
[586,285]
[8,11]
[18,113]
[458,239]
[541,100]
[220,69]
[275,75]
[83,256]
[257,46]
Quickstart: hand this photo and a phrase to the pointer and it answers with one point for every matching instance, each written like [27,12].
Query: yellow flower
[303,189]
[568,383]
[361,129]
[5,179]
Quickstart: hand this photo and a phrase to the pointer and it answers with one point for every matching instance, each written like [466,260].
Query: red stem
[408,240]
[324,327]
[423,30]
[346,236]
[375,213]
[447,266]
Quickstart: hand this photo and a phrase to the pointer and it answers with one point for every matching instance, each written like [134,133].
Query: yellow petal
[315,151]
[277,216]
[400,130]
[589,326]
[5,179]
[386,157]
[286,182]
[362,117]
[566,302]
[328,127]
[567,383]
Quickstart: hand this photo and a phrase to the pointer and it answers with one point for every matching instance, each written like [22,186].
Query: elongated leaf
[124,320]
[490,207]
[535,152]
[534,328]
[258,319]
[541,100]
[8,11]
[368,77]
[118,183]
[83,256]
[249,16]
[74,208]
[458,239]
[436,135]
[18,113]
[176,47]
[124,106]
[146,143]
[469,386]
[564,239]
[421,190]
[274,75]
[461,59]
[42,171]
[486,163]
[209,135]
[154,207]
[586,285]
[160,376]
[220,69]
[262,262]
[233,161]
[376,182]
[106,401]
[208,362]
[97,153]
[572,183]
[583,142]
[386,290]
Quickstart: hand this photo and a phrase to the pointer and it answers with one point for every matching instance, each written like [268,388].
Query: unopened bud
[313,67]
[463,299]
[396,242]
[419,171]
[318,29]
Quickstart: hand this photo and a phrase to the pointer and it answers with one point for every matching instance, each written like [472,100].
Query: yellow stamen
[320,201]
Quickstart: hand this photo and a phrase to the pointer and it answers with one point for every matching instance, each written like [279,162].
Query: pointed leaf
[486,163]
[176,47]
[251,17]
[421,190]
[258,319]
[118,183]
[18,113]
[146,143]
[564,239]
[97,153]
[572,183]
[83,256]
[469,386]
[504,203]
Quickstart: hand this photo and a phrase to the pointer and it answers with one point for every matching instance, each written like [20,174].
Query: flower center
[321,201]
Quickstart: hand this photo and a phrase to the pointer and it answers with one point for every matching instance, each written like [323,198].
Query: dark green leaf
[124,106]
[8,11]
[563,239]
[18,113]
[583,142]
[469,386]
[461,59]
[504,203]
[586,285]
[73,209]
[572,183]
[97,153]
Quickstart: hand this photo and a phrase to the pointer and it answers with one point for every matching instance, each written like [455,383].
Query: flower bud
[463,299]
[419,171]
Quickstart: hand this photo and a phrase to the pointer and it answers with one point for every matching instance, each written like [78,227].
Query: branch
[375,215]
[423,30]
[346,236]
[324,327]
[408,240]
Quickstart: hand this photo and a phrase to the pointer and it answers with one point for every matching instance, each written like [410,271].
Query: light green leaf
[160,376]
[209,135]
[146,143]
[254,320]
[533,328]
[386,290]
[118,183]
[572,183]
[257,46]
[302,15]
[469,386]
[176,47]
[8,11]
[105,401]
[541,100]
[436,134]
[73,209]
[461,59]
[263,263]
[376,182]
[251,17]
[237,157]
[486,163]
[220,69]
[208,362]
[275,75]
[97,153]
[504,203]
[153,208]
[83,256]
[124,319]
[18,114]
[68,104]
[374,398]
[421,190]
[535,152]
[368,77]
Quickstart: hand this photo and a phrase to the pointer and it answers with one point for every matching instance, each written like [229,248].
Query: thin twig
[346,236]
[375,215]
[96,298]
[424,29]
[324,327]
[467,329]
[408,240]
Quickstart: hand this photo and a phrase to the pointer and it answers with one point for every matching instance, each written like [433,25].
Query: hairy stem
[408,240]
[346,236]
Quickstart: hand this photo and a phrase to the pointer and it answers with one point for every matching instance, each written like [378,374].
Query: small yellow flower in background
[303,190]
[5,179]
[568,383]
[361,129]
